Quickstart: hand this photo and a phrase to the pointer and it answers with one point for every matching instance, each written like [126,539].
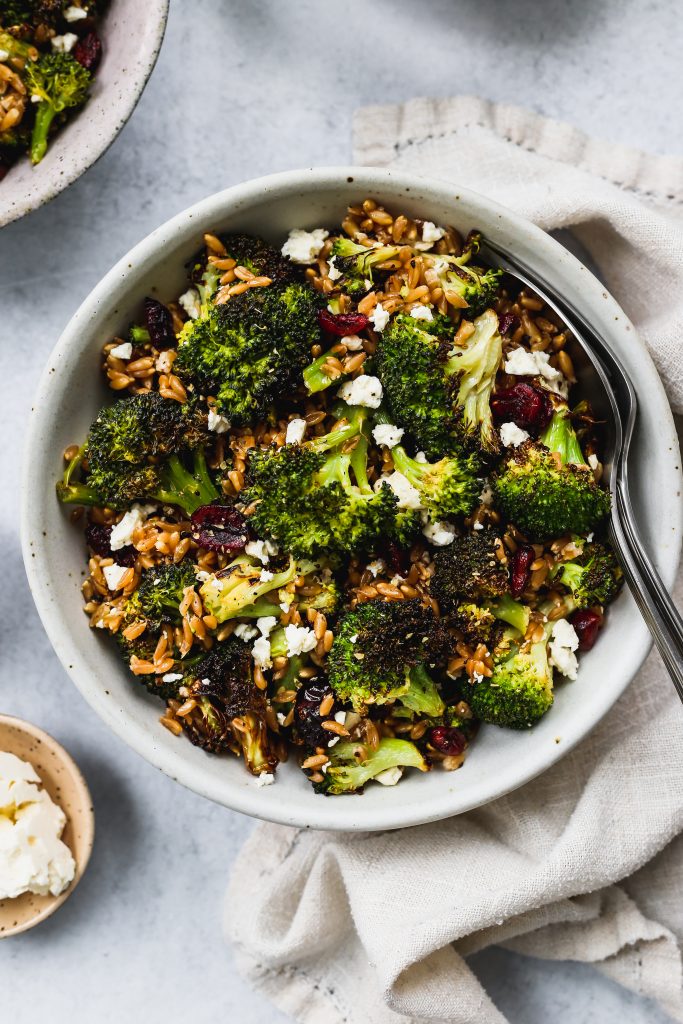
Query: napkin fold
[583,863]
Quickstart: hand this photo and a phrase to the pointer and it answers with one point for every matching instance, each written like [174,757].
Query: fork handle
[655,605]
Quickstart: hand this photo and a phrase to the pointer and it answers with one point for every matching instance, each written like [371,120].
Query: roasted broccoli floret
[230,712]
[358,262]
[161,590]
[352,765]
[30,12]
[382,652]
[251,349]
[135,450]
[60,82]
[594,576]
[465,285]
[239,588]
[520,690]
[260,258]
[484,622]
[441,392]
[315,498]
[469,569]
[546,489]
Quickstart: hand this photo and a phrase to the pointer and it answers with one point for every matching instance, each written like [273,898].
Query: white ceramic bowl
[70,395]
[131,33]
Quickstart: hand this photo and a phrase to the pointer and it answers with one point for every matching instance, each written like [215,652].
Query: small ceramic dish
[66,786]
[132,33]
[72,392]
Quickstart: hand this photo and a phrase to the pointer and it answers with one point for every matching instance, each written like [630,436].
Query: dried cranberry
[342,324]
[521,569]
[98,539]
[307,713]
[398,559]
[587,625]
[447,740]
[523,404]
[219,528]
[507,322]
[159,323]
[88,51]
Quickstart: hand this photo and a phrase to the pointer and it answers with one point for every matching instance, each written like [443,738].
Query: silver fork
[609,388]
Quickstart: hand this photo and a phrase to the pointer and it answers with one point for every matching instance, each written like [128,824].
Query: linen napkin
[583,863]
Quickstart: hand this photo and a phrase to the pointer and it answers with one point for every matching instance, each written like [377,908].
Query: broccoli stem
[560,436]
[508,610]
[315,377]
[76,493]
[45,115]
[187,490]
[422,694]
[411,470]
[139,335]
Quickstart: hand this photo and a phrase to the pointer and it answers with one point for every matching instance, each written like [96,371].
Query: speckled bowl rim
[81,160]
[387,810]
[88,820]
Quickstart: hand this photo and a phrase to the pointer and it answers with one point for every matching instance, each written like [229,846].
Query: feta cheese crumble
[113,574]
[521,363]
[486,496]
[334,273]
[376,567]
[300,639]
[266,624]
[295,431]
[432,233]
[191,303]
[264,779]
[122,532]
[4,54]
[172,677]
[261,549]
[421,312]
[390,776]
[244,631]
[364,390]
[387,434]
[511,435]
[65,43]
[217,423]
[122,351]
[33,857]
[593,462]
[379,318]
[73,13]
[353,342]
[408,496]
[439,534]
[303,246]
[563,643]
[261,652]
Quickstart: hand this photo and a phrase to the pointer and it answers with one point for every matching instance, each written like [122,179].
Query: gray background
[243,89]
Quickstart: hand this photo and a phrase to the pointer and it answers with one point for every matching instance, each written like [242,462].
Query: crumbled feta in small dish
[439,534]
[387,434]
[191,303]
[244,631]
[65,43]
[408,496]
[33,857]
[563,643]
[217,423]
[511,435]
[364,390]
[334,273]
[113,574]
[432,233]
[74,13]
[376,567]
[353,342]
[266,624]
[299,639]
[261,549]
[264,779]
[390,776]
[295,431]
[303,246]
[122,351]
[261,652]
[421,312]
[379,318]
[266,575]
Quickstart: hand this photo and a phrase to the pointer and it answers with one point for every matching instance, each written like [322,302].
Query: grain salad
[343,506]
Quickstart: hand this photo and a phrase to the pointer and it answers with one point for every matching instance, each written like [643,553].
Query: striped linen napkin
[376,928]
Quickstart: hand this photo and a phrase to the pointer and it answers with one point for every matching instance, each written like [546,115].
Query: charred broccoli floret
[161,590]
[135,450]
[30,12]
[352,766]
[441,392]
[594,576]
[60,82]
[358,262]
[546,489]
[251,349]
[520,690]
[240,588]
[381,653]
[465,285]
[469,569]
[248,251]
[485,622]
[231,710]
[315,498]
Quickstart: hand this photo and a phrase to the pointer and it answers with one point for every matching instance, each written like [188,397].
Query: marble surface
[261,86]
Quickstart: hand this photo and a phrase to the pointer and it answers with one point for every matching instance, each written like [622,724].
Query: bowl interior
[69,398]
[66,786]
[131,34]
